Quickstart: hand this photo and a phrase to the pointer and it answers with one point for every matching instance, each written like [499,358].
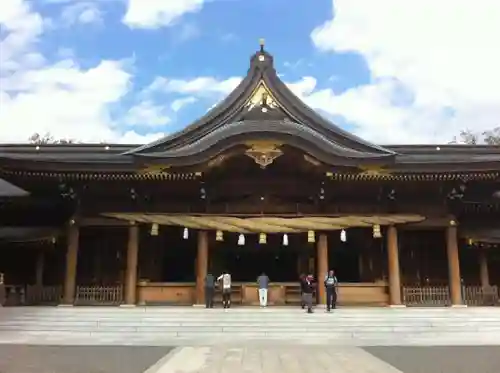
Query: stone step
[177,325]
[178,339]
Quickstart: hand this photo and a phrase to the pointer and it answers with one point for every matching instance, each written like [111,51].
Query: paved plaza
[249,358]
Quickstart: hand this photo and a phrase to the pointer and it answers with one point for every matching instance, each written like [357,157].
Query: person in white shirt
[225,277]
[263,283]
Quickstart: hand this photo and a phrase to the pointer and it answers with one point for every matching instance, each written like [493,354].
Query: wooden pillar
[483,268]
[453,265]
[322,254]
[132,258]
[201,266]
[393,266]
[71,264]
[40,264]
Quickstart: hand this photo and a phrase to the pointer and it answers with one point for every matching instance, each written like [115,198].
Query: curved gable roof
[263,84]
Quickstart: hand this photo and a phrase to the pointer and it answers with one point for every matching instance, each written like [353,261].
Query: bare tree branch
[38,139]
[469,137]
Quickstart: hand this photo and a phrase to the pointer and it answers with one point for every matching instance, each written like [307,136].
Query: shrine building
[261,183]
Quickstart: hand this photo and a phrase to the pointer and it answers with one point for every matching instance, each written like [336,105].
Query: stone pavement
[248,358]
[80,359]
[254,359]
[441,359]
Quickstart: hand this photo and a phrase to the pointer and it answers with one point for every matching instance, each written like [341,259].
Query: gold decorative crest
[261,96]
[264,153]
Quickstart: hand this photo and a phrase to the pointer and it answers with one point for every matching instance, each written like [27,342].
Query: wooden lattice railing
[480,296]
[426,296]
[99,295]
[440,295]
[36,295]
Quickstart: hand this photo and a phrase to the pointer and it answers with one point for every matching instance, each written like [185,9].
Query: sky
[131,71]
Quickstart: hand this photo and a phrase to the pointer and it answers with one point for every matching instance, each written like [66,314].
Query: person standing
[209,290]
[309,287]
[302,282]
[3,292]
[263,283]
[225,277]
[331,283]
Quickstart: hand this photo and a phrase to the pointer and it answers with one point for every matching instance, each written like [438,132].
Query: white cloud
[180,103]
[303,87]
[201,86]
[434,67]
[20,28]
[81,12]
[132,137]
[146,114]
[61,98]
[158,13]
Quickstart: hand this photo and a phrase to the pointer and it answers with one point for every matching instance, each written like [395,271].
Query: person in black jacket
[209,290]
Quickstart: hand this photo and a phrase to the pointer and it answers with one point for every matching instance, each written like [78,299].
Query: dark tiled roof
[9,190]
[274,127]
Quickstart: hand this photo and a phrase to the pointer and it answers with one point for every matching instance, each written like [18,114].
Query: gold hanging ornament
[376,231]
[154,229]
[262,238]
[219,236]
[311,237]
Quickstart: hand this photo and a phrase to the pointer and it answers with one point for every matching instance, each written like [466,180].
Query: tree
[38,139]
[469,137]
[492,137]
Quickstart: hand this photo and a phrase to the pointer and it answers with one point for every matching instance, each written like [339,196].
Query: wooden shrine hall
[261,183]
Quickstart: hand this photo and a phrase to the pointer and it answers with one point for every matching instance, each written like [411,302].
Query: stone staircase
[157,326]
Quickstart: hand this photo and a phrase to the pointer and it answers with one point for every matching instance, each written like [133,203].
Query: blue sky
[131,71]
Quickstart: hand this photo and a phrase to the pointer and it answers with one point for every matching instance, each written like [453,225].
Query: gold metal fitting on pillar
[219,236]
[376,231]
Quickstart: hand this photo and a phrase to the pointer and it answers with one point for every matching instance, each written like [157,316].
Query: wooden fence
[480,296]
[99,295]
[439,296]
[43,295]
[426,296]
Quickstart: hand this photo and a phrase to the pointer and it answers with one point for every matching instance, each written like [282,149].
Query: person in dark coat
[309,287]
[302,282]
[209,290]
[331,283]
[3,292]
